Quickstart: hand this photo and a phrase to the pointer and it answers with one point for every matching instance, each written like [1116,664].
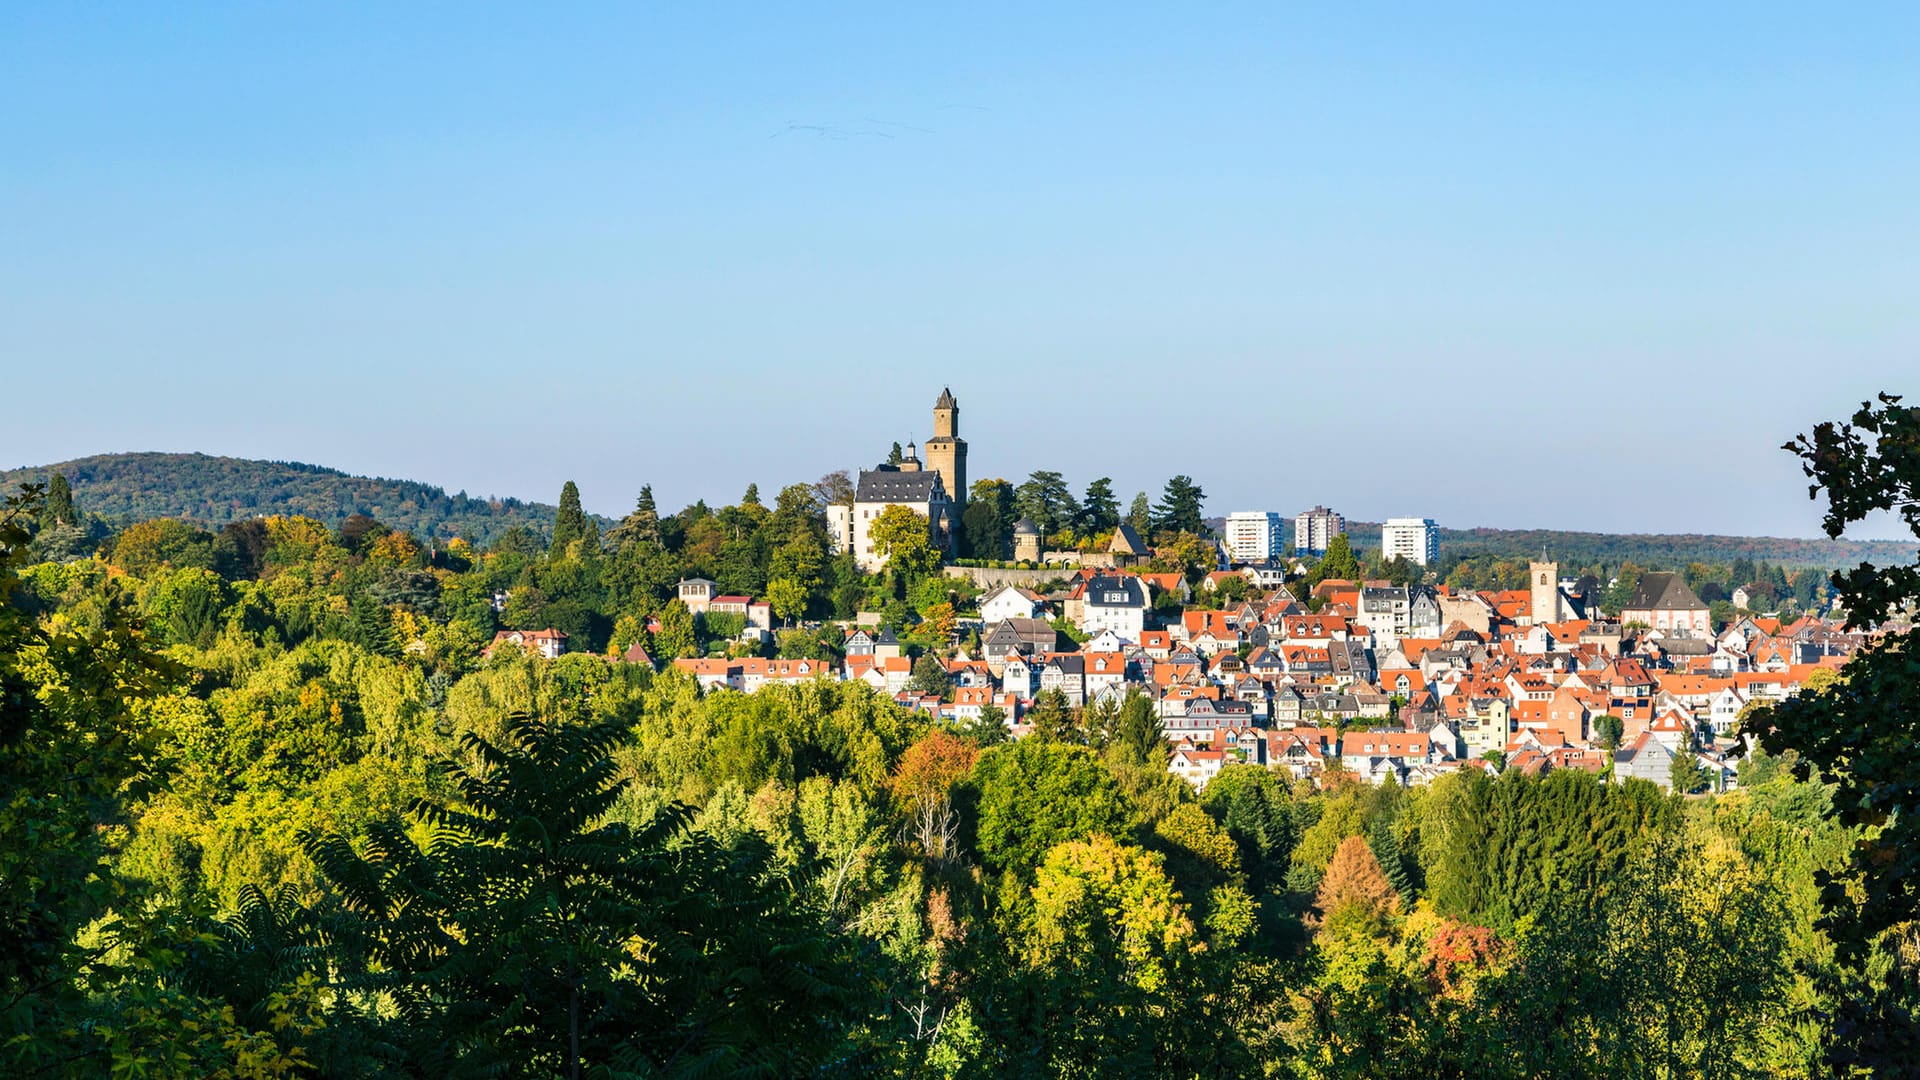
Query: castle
[936,490]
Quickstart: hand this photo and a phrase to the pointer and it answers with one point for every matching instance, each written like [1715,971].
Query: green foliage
[1037,793]
[1487,861]
[1180,506]
[218,490]
[532,934]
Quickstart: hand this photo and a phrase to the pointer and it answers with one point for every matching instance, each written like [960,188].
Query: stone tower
[1544,580]
[946,452]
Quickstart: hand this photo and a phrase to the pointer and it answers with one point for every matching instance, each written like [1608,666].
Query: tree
[1045,499]
[1338,564]
[752,496]
[1106,911]
[924,781]
[675,638]
[1035,793]
[59,508]
[1140,514]
[1179,509]
[1099,510]
[1607,730]
[70,747]
[640,526]
[511,941]
[1051,717]
[787,597]
[1859,732]
[895,456]
[900,537]
[835,488]
[569,522]
[980,531]
[1354,888]
[930,677]
[1684,774]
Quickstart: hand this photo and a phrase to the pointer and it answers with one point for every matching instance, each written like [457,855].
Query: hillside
[1651,549]
[216,490]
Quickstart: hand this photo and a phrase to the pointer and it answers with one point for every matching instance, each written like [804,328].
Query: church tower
[946,452]
[1545,580]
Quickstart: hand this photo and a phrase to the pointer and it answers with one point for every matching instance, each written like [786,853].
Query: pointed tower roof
[946,400]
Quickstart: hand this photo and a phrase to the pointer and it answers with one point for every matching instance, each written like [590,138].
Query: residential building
[1314,529]
[1254,536]
[1115,603]
[1417,540]
[1663,601]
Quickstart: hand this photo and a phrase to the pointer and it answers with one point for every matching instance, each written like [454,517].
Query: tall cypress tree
[59,508]
[570,523]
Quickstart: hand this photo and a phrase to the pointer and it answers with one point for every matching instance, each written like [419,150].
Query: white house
[1008,602]
[1118,604]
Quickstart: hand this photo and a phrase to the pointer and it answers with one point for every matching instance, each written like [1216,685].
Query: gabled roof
[1663,591]
[888,486]
[1126,541]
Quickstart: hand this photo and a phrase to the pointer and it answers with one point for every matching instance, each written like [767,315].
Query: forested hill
[215,490]
[1651,549]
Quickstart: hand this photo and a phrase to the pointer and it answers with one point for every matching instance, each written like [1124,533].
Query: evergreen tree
[641,525]
[752,497]
[980,531]
[1046,499]
[59,508]
[894,456]
[1179,509]
[1140,515]
[569,522]
[1338,563]
[1099,510]
[1383,838]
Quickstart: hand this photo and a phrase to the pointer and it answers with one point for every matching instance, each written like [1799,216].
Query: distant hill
[215,490]
[1669,550]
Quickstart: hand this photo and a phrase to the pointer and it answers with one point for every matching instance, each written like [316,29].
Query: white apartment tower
[1315,529]
[1254,536]
[1416,540]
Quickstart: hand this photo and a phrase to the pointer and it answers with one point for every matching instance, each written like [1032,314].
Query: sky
[1521,265]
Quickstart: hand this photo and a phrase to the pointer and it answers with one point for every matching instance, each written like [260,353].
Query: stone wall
[988,577]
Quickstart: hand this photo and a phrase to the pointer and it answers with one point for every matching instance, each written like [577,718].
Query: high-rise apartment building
[1416,540]
[1315,529]
[1254,536]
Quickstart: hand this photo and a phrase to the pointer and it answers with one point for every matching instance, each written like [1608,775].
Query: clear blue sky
[1515,264]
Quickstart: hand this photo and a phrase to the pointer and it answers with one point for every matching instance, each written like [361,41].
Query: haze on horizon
[1502,266]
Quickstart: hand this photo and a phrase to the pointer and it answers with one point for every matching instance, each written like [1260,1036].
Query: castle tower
[1544,581]
[946,452]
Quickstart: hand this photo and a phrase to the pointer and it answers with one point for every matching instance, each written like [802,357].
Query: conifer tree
[1140,514]
[752,497]
[569,523]
[1354,884]
[894,456]
[59,508]
[1179,509]
[642,524]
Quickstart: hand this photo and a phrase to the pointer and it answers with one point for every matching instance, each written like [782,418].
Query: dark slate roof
[1663,591]
[881,485]
[1115,592]
[1126,541]
[1025,527]
[946,399]
[1024,631]
[886,638]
